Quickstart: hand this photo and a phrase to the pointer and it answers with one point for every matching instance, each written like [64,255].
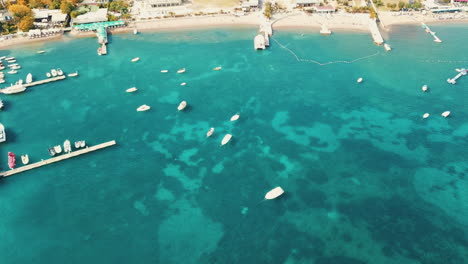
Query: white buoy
[359,80]
[274,193]
[426,115]
[446,113]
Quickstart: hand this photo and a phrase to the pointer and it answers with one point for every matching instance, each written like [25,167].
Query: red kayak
[11,160]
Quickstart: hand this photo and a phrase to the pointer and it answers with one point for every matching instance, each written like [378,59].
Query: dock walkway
[48,80]
[57,159]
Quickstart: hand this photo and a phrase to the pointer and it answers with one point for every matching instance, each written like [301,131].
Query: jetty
[262,40]
[26,85]
[461,72]
[101,32]
[428,30]
[57,159]
[375,32]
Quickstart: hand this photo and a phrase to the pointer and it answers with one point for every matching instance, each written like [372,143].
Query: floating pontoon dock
[57,159]
[428,30]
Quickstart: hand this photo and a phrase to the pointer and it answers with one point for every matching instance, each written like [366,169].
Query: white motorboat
[19,82]
[235,117]
[25,159]
[135,59]
[59,72]
[11,61]
[48,75]
[182,105]
[424,88]
[58,149]
[67,146]
[164,71]
[53,72]
[2,133]
[2,81]
[181,70]
[387,47]
[2,58]
[40,52]
[135,31]
[446,113]
[217,68]
[143,108]
[74,74]
[12,72]
[131,90]
[1,104]
[360,80]
[2,67]
[17,88]
[226,139]
[274,193]
[210,132]
[29,78]
[77,144]
[9,58]
[183,84]
[83,143]
[426,115]
[14,67]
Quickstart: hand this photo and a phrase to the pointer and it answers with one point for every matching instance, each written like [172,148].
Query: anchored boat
[25,159]
[143,108]
[226,139]
[11,160]
[135,59]
[274,193]
[182,105]
[67,146]
[181,70]
[210,132]
[235,117]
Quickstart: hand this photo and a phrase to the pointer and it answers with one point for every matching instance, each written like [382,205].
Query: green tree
[268,10]
[66,7]
[401,5]
[20,11]
[26,23]
[417,5]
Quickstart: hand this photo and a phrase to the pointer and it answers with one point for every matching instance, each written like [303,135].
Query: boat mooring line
[326,63]
[444,61]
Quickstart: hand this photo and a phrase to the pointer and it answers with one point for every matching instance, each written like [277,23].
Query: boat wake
[323,63]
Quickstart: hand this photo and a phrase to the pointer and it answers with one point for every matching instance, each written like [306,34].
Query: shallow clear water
[367,180]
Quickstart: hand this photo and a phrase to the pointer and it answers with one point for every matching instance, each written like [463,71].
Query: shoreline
[299,21]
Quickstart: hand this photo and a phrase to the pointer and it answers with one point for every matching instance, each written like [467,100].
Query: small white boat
[217,68]
[59,72]
[1,104]
[424,88]
[83,143]
[426,115]
[12,72]
[2,81]
[11,61]
[135,59]
[29,78]
[67,146]
[9,58]
[182,105]
[74,74]
[41,52]
[25,159]
[48,75]
[183,84]
[19,82]
[164,71]
[226,139]
[360,80]
[135,31]
[235,117]
[274,193]
[77,144]
[387,47]
[446,113]
[131,90]
[14,67]
[58,149]
[53,72]
[181,70]
[210,132]
[143,108]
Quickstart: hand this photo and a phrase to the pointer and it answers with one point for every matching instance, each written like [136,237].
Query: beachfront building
[45,17]
[148,9]
[94,2]
[324,9]
[249,5]
[307,4]
[100,15]
[163,3]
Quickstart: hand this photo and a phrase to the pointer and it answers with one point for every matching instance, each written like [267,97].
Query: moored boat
[426,115]
[2,133]
[131,90]
[25,159]
[77,144]
[226,139]
[217,68]
[182,105]
[235,117]
[424,88]
[29,78]
[51,151]
[181,70]
[40,52]
[11,160]
[164,71]
[274,193]
[210,132]
[9,58]
[58,149]
[1,104]
[53,72]
[387,47]
[74,74]
[183,84]
[59,72]
[67,146]
[446,113]
[48,75]
[83,143]
[135,59]
[360,80]
[11,61]
[135,31]
[17,88]
[143,108]
[12,72]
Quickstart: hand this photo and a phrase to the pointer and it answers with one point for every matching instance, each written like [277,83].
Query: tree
[268,10]
[26,23]
[66,7]
[20,11]
[401,5]
[417,5]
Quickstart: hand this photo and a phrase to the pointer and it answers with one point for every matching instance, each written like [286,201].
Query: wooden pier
[57,159]
[428,30]
[375,32]
[53,79]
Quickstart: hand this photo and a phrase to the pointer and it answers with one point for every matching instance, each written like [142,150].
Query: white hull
[182,105]
[25,159]
[131,90]
[67,146]
[73,74]
[2,133]
[446,113]
[274,193]
[14,89]
[135,59]
[235,117]
[58,149]
[226,139]
[359,80]
[29,78]
[143,108]
[426,115]
[181,70]
[53,72]
[210,132]
[217,69]
[164,71]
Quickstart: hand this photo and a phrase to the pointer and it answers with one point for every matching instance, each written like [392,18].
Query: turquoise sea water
[367,180]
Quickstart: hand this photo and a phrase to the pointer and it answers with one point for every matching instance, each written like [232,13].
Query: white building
[162,3]
[99,16]
[307,3]
[147,9]
[248,4]
[94,2]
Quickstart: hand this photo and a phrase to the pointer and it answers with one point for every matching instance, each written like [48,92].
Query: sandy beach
[299,20]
